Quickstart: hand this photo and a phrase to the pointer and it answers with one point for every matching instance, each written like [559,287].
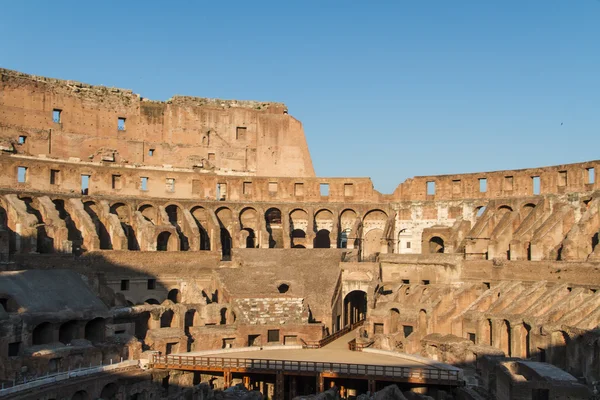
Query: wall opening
[150,152]
[273,336]
[324,189]
[283,288]
[54,177]
[430,188]
[22,139]
[42,334]
[22,174]
[174,295]
[355,307]
[535,184]
[299,189]
[508,183]
[562,178]
[85,184]
[68,331]
[482,185]
[121,123]
[240,133]
[348,189]
[322,240]
[56,115]
[144,183]
[166,319]
[407,330]
[95,330]
[591,175]
[170,185]
[436,245]
[162,241]
[247,188]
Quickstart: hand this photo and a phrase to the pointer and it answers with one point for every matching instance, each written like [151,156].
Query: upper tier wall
[221,135]
[580,177]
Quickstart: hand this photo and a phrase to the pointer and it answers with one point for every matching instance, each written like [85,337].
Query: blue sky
[386,89]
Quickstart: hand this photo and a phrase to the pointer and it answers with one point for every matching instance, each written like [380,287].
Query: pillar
[293,387]
[279,386]
[320,383]
[226,378]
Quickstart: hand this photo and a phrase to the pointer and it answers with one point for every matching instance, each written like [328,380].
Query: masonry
[129,226]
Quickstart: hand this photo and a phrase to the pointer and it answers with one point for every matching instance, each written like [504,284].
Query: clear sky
[386,89]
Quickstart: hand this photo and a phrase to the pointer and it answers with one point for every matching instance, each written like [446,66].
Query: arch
[423,321]
[355,307]
[94,212]
[201,217]
[175,215]
[372,243]
[324,220]
[436,245]
[152,301]
[190,315]
[44,243]
[123,212]
[344,235]
[505,207]
[8,303]
[478,212]
[80,395]
[505,338]
[348,219]
[223,314]
[225,218]
[163,240]
[43,334]
[274,228]
[95,330]
[149,212]
[394,320]
[249,222]
[174,295]
[109,391]
[298,246]
[73,233]
[166,319]
[322,240]
[68,331]
[250,238]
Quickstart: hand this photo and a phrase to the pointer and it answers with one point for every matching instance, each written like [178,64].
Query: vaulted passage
[355,307]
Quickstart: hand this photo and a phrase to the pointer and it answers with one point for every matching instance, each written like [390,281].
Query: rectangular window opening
[472,337]
[150,152]
[85,184]
[299,189]
[482,185]
[508,183]
[408,245]
[377,328]
[536,184]
[406,281]
[121,124]
[425,281]
[273,336]
[54,177]
[144,183]
[125,284]
[430,188]
[324,188]
[456,186]
[196,186]
[14,349]
[591,175]
[247,188]
[240,133]
[348,189]
[56,114]
[151,284]
[562,178]
[408,329]
[170,185]
[22,174]
[253,340]
[22,139]
[221,191]
[116,182]
[211,157]
[272,187]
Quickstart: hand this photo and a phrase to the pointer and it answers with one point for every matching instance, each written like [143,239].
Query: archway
[174,295]
[505,338]
[250,239]
[436,245]
[93,211]
[162,241]
[201,217]
[355,307]
[152,301]
[166,319]
[43,334]
[322,240]
[394,320]
[95,330]
[372,243]
[223,314]
[274,228]
[109,392]
[225,218]
[68,331]
[80,395]
[149,213]
[249,223]
[124,213]
[175,215]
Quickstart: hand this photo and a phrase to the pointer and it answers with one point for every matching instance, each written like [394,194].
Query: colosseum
[185,249]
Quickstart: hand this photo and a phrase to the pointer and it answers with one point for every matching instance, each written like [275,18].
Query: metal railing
[259,365]
[316,344]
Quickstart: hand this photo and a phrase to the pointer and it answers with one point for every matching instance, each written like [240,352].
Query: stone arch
[8,303]
[95,330]
[167,318]
[249,222]
[373,227]
[422,321]
[274,228]
[152,301]
[73,233]
[94,212]
[44,243]
[505,207]
[149,212]
[190,315]
[165,242]
[478,211]
[201,217]
[348,219]
[43,334]
[355,307]
[322,240]
[109,391]
[505,338]
[175,214]
[436,244]
[80,395]
[174,295]
[225,218]
[324,219]
[68,331]
[123,211]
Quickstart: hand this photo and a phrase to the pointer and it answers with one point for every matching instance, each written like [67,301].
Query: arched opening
[423,321]
[189,320]
[201,217]
[298,227]
[322,240]
[344,235]
[527,209]
[394,320]
[149,213]
[298,237]
[73,234]
[298,246]
[92,209]
[43,334]
[68,331]
[152,301]
[223,313]
[175,215]
[436,245]
[595,241]
[250,239]
[558,349]
[348,220]
[505,338]
[225,218]
[249,222]
[8,304]
[374,224]
[274,228]
[174,295]
[95,330]
[162,241]
[80,395]
[45,243]
[355,307]
[109,392]
[124,213]
[166,319]
[283,288]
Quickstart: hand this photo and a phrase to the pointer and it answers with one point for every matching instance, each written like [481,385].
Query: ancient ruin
[186,249]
